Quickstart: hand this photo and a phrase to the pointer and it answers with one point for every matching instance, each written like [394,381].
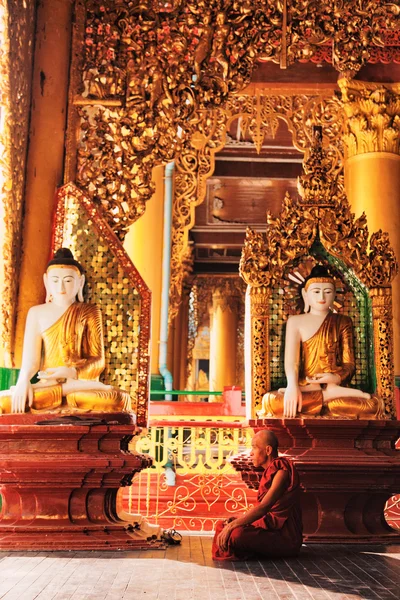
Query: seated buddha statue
[63,345]
[319,361]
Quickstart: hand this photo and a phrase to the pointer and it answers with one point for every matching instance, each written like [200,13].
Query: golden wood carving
[324,211]
[353,29]
[372,117]
[193,166]
[259,116]
[144,70]
[199,305]
[17,23]
[258,359]
[290,236]
[383,344]
[226,292]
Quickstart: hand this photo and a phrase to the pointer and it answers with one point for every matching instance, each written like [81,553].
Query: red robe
[279,533]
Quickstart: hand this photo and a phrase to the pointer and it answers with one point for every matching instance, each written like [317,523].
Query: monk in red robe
[274,527]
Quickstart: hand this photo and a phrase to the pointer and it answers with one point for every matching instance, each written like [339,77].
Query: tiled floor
[187,572]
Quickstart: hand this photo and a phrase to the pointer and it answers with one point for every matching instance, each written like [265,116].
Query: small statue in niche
[319,361]
[63,343]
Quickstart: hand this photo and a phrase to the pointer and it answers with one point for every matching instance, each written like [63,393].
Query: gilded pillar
[372,166]
[144,245]
[257,352]
[178,340]
[223,338]
[45,161]
[382,319]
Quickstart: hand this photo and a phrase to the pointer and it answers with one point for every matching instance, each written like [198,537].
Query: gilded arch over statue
[321,213]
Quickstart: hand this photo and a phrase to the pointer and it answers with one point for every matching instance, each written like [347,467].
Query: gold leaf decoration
[289,237]
[17,25]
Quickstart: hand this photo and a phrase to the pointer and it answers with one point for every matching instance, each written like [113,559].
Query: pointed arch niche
[310,230]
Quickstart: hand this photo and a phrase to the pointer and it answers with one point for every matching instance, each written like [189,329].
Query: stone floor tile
[187,572]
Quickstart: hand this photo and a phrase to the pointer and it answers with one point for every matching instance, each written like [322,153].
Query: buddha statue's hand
[62,373]
[292,401]
[21,393]
[324,378]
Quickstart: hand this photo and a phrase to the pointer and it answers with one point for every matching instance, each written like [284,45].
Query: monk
[319,361]
[63,345]
[274,527]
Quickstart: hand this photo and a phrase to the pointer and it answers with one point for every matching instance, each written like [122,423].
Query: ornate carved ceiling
[228,88]
[145,70]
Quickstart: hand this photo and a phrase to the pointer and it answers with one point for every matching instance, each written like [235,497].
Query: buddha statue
[63,345]
[319,361]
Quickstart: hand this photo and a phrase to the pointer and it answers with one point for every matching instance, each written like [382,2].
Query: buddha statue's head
[64,279]
[318,290]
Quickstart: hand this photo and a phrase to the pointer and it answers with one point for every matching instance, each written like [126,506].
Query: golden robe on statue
[329,350]
[75,340]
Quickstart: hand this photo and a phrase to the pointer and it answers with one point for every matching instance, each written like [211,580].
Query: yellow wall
[144,245]
[46,151]
[373,186]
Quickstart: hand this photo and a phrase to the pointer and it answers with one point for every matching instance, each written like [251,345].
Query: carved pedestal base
[348,470]
[59,483]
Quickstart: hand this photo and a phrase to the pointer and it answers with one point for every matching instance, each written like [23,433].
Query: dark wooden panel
[311,73]
[226,168]
[236,200]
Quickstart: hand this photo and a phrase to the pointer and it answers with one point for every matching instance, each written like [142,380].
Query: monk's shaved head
[267,438]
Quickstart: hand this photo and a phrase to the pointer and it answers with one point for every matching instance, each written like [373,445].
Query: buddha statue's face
[319,297]
[63,284]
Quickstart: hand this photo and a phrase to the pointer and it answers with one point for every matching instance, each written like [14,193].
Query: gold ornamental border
[17,28]
[130,271]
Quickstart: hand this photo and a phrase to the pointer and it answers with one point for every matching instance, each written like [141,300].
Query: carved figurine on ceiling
[219,45]
[203,47]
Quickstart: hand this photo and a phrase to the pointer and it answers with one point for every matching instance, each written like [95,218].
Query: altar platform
[187,572]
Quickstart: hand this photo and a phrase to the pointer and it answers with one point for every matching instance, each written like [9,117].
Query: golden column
[223,338]
[144,245]
[178,347]
[46,150]
[372,166]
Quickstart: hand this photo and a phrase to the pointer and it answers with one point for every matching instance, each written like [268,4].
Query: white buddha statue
[63,345]
[319,361]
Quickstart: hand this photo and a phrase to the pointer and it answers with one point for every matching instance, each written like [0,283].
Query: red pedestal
[348,469]
[59,482]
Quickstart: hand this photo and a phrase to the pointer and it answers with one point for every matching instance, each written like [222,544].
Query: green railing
[184,393]
[8,377]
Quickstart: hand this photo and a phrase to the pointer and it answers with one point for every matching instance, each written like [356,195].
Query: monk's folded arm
[276,491]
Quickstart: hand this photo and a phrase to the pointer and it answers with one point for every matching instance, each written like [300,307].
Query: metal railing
[206,485]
